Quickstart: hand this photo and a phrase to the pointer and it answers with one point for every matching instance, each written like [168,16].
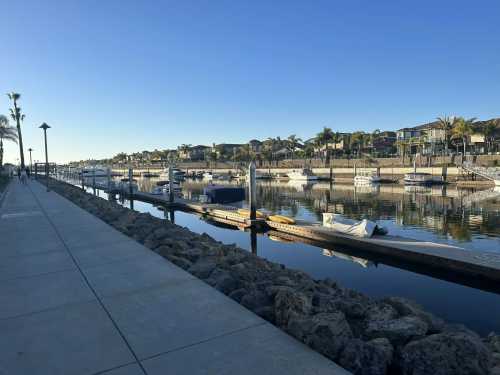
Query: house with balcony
[194,153]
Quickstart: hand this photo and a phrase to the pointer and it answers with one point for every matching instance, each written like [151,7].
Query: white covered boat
[304,174]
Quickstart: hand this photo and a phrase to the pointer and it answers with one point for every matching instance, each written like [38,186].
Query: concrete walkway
[78,297]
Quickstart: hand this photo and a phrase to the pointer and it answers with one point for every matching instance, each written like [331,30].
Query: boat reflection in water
[365,263]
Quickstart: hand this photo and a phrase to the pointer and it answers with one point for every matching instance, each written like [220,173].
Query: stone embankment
[366,336]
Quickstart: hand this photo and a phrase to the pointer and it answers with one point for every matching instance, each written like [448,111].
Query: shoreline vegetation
[366,336]
[434,139]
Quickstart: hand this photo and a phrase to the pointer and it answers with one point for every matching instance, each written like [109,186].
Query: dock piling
[252,192]
[93,180]
[170,184]
[130,181]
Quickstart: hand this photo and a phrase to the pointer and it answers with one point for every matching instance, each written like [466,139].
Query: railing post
[252,193]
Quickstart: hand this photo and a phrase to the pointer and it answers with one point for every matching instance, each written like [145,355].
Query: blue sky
[113,76]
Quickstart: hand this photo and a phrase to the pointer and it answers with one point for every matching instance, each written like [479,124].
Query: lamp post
[44,126]
[31,161]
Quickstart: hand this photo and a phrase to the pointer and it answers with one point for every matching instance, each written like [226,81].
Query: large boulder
[367,358]
[493,341]
[203,267]
[398,331]
[448,353]
[328,333]
[290,304]
[406,307]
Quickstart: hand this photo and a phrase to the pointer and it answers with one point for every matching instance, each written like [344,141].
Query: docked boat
[208,176]
[304,174]
[163,187]
[95,172]
[366,177]
[178,174]
[127,186]
[263,175]
[149,174]
[418,178]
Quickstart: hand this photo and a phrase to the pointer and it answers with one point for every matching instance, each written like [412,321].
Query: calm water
[465,217]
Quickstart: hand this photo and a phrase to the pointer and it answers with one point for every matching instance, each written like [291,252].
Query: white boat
[304,174]
[126,186]
[97,172]
[163,188]
[367,177]
[176,172]
[208,176]
[223,177]
[418,178]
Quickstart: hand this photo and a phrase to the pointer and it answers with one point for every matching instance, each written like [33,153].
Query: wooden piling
[252,191]
[130,182]
[93,180]
[444,172]
[109,179]
[170,184]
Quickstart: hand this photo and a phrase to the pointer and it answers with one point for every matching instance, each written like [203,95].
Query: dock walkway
[79,297]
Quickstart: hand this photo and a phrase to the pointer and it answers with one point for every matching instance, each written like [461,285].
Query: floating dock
[477,264]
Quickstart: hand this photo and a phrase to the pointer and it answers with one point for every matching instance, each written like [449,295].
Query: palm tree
[292,143]
[402,147]
[488,130]
[15,113]
[324,138]
[8,133]
[462,129]
[446,124]
[358,139]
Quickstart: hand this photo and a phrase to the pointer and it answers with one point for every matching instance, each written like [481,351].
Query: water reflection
[442,213]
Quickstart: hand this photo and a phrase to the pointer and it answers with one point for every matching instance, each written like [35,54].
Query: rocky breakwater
[364,335]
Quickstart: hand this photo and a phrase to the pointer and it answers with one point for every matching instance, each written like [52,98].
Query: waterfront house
[194,153]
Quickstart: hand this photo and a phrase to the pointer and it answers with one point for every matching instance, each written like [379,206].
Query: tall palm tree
[8,133]
[463,129]
[324,138]
[446,124]
[292,143]
[488,131]
[17,117]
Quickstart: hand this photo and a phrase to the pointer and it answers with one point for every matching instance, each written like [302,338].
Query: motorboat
[149,174]
[95,172]
[208,176]
[163,187]
[224,177]
[366,177]
[418,178]
[304,174]
[263,175]
[178,174]
[127,186]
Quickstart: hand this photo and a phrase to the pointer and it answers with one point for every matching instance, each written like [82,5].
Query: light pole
[44,126]
[31,161]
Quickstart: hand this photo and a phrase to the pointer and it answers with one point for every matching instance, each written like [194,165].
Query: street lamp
[44,126]
[31,162]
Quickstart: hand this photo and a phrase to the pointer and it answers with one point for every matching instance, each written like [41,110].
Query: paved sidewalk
[78,297]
